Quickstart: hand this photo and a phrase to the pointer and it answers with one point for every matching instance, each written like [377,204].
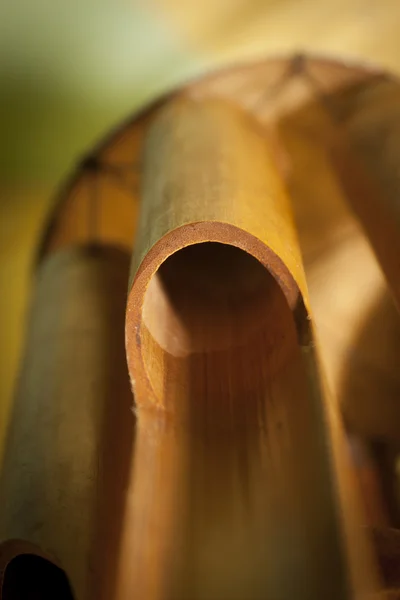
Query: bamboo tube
[364,147]
[366,153]
[241,487]
[67,456]
[332,136]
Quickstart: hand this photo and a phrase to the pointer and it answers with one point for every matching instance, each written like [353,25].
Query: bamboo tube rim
[176,240]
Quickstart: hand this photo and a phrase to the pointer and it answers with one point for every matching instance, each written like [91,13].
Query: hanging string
[295,67]
[118,173]
[95,169]
[91,166]
[95,207]
[326,99]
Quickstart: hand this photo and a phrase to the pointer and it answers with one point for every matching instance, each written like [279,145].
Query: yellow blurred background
[71,70]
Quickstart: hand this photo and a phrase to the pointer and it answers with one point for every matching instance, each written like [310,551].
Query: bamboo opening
[30,577]
[211,303]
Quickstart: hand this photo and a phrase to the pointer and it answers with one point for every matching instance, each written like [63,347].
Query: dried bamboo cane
[241,487]
[366,153]
[67,456]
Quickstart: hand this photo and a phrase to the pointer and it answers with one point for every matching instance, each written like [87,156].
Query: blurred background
[69,71]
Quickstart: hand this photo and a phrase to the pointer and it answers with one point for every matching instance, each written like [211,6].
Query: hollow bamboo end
[205,288]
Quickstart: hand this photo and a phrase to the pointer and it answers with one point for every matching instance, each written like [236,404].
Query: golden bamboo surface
[221,353]
[250,254]
[67,457]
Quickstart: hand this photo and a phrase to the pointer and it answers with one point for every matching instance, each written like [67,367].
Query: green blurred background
[71,70]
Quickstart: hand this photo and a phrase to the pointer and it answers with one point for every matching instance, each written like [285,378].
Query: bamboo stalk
[67,456]
[241,486]
[366,153]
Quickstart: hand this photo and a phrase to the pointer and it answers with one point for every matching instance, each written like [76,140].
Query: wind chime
[177,430]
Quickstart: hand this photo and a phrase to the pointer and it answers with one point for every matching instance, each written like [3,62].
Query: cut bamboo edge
[240,485]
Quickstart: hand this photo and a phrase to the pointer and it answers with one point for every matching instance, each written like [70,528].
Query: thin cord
[296,67]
